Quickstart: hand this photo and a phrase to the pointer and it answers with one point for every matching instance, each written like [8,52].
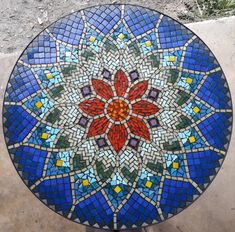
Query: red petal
[138,90]
[144,108]
[102,88]
[138,127]
[120,83]
[98,127]
[117,137]
[92,107]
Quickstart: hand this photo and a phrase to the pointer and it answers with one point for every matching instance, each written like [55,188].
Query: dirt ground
[22,20]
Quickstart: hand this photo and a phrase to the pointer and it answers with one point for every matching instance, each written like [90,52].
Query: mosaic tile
[117,116]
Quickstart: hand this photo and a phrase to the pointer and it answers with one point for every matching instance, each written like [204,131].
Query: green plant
[216,7]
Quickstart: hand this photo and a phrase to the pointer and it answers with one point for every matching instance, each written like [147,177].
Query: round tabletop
[117,116]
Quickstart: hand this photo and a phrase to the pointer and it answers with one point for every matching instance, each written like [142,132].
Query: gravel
[22,20]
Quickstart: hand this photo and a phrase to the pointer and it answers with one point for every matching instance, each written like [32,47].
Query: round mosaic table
[117,116]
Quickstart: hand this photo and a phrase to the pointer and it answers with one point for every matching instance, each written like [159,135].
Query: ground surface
[214,211]
[22,20]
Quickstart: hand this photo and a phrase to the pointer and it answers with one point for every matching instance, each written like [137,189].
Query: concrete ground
[214,211]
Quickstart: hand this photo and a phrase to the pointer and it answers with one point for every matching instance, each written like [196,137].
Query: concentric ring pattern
[117,116]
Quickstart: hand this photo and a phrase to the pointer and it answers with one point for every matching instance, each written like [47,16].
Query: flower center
[118,110]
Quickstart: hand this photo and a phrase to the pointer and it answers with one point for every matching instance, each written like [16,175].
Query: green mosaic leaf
[157,167]
[108,45]
[88,55]
[135,49]
[62,142]
[174,73]
[54,116]
[183,97]
[155,60]
[78,162]
[131,176]
[184,122]
[172,146]
[68,70]
[104,175]
[57,91]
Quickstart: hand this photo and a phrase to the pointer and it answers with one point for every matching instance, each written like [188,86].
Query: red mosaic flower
[119,112]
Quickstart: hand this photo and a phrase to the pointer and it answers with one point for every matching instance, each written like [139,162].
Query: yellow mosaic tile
[121,36]
[189,80]
[148,43]
[192,139]
[175,165]
[92,39]
[49,75]
[38,104]
[44,136]
[117,189]
[148,184]
[59,163]
[85,182]
[196,109]
[172,58]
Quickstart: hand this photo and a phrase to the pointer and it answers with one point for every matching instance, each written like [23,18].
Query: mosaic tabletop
[117,116]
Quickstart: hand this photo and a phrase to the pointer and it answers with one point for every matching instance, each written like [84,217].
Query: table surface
[117,116]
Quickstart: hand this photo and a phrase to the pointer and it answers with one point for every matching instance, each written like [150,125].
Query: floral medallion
[117,116]
[120,113]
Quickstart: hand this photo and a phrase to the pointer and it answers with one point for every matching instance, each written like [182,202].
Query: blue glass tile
[140,20]
[175,196]
[30,161]
[219,97]
[68,29]
[198,57]
[172,34]
[42,50]
[104,17]
[202,166]
[57,192]
[217,124]
[84,211]
[22,84]
[16,131]
[136,210]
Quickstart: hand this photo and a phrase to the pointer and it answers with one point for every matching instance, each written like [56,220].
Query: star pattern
[117,116]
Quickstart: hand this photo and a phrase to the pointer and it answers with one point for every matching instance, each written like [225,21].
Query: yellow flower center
[118,110]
